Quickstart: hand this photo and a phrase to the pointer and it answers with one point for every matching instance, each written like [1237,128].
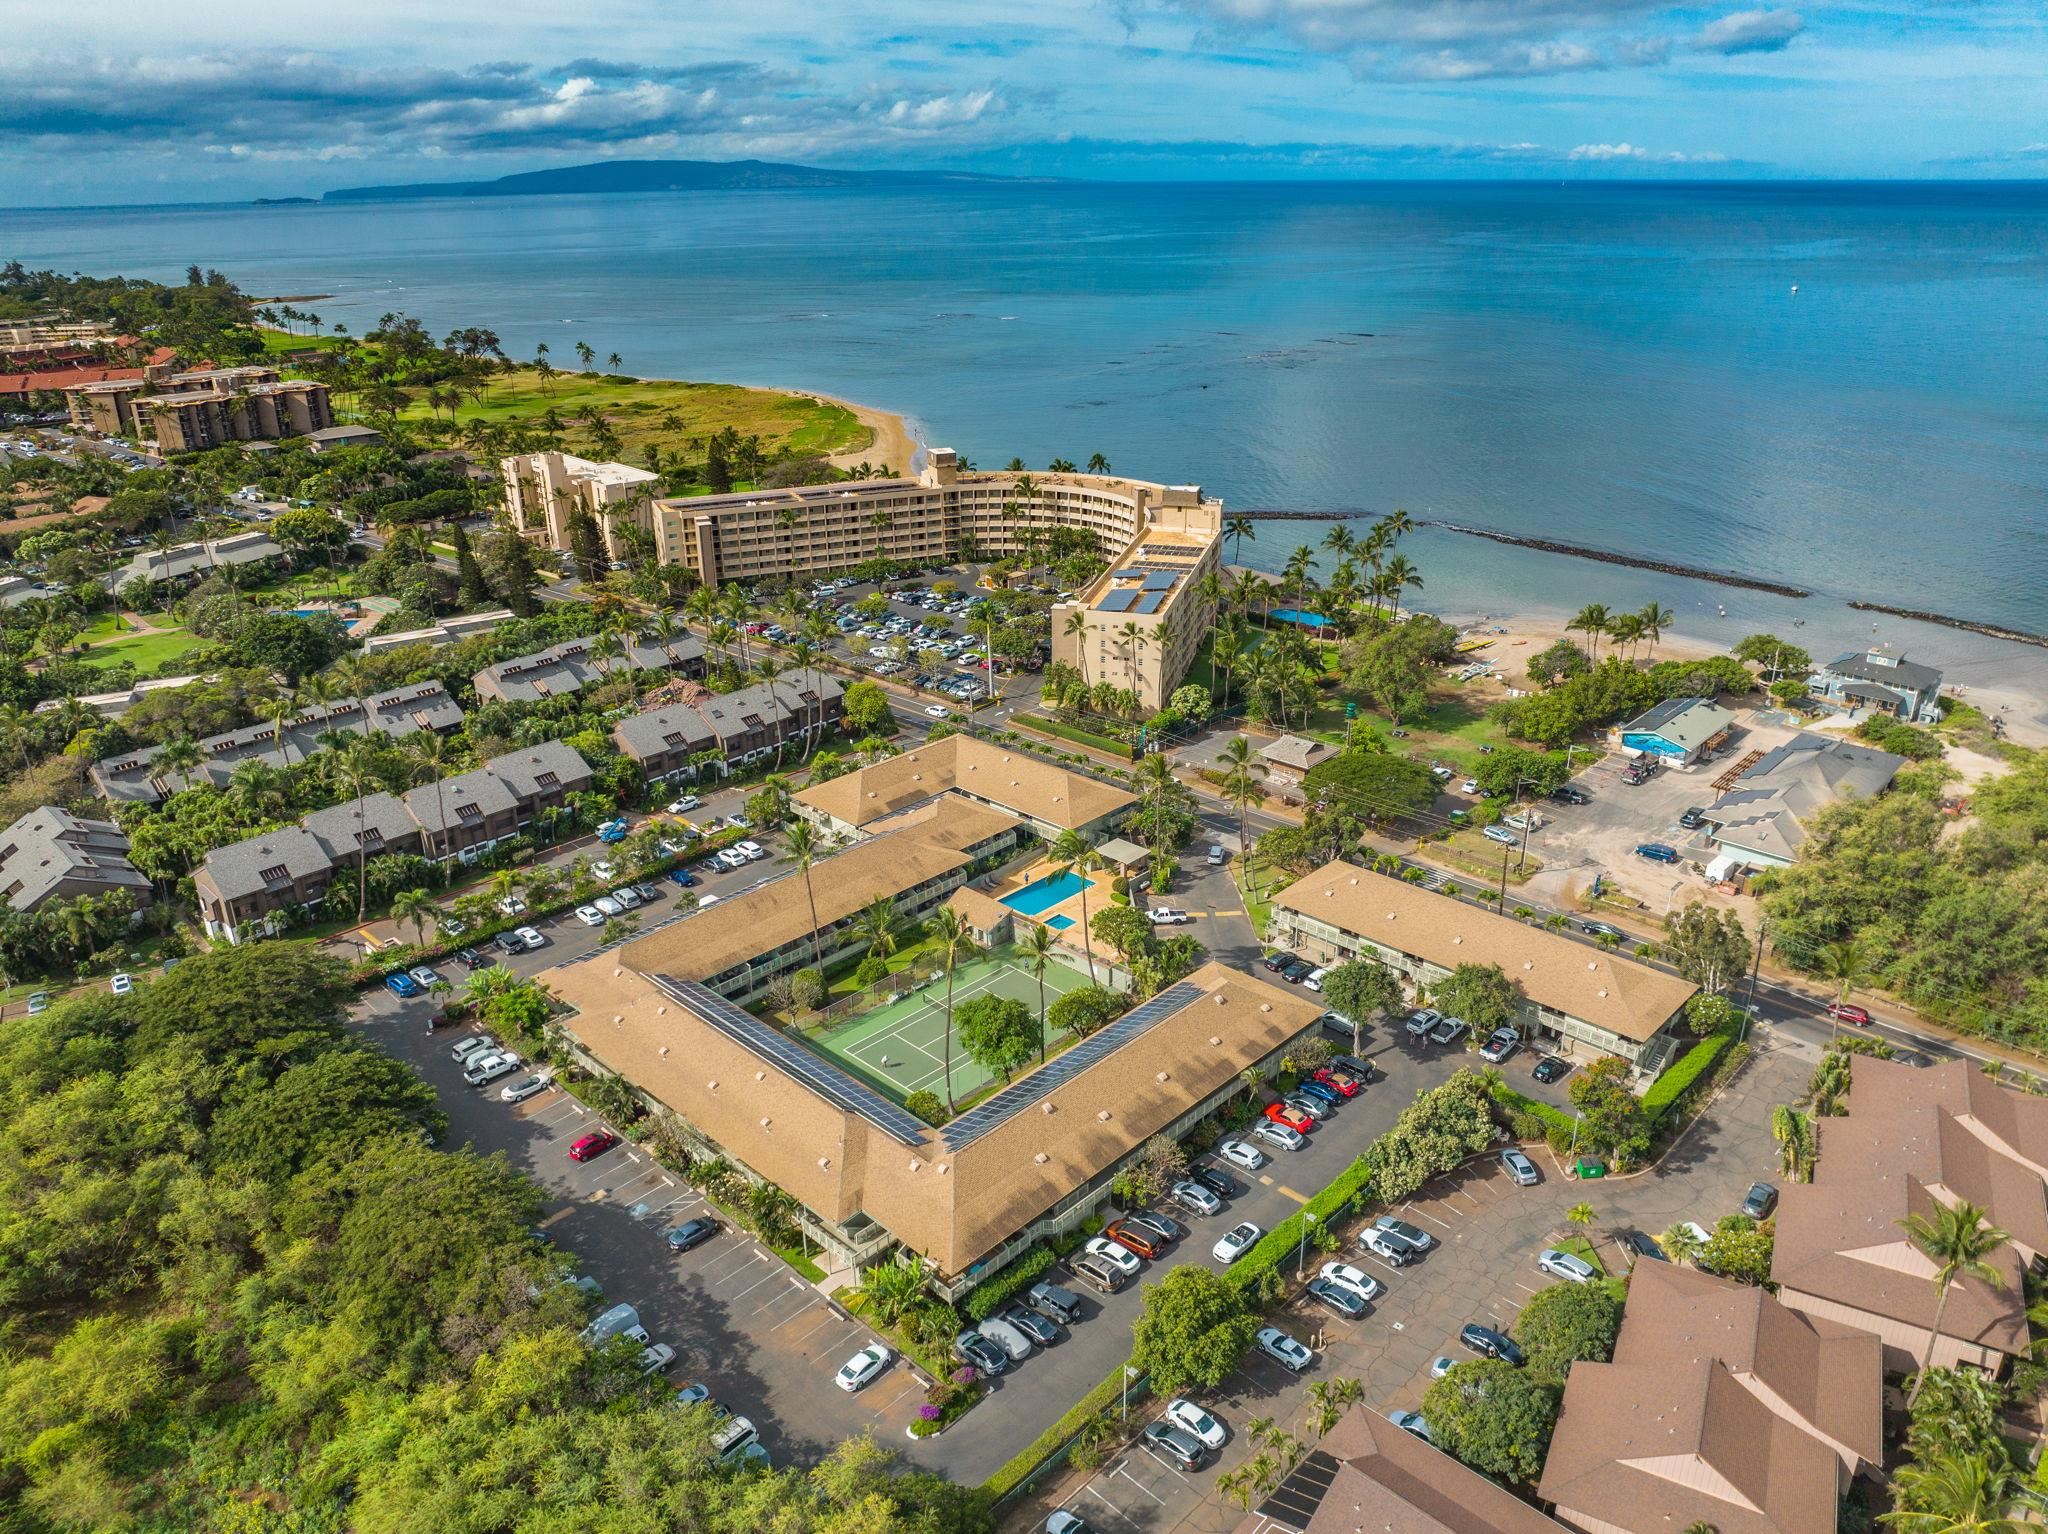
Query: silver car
[1520,1168]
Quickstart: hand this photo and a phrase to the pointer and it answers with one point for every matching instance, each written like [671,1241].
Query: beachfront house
[1879,680]
[1679,730]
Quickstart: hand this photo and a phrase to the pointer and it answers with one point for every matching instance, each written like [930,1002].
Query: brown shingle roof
[1368,1475]
[1035,789]
[1620,995]
[1656,1447]
[1830,1376]
[1840,1240]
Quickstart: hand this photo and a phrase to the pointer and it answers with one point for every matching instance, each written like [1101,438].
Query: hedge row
[1666,1090]
[1516,1103]
[986,1297]
[1048,1444]
[1279,1244]
[1039,724]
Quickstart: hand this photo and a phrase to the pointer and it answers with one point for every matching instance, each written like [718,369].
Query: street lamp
[1308,1223]
[1129,1375]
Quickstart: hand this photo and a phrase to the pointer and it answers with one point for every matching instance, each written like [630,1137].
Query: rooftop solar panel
[1149,601]
[1300,1496]
[1128,575]
[1116,602]
[1161,580]
[1012,1100]
[795,1061]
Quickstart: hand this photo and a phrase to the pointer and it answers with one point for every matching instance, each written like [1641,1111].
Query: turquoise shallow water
[1625,367]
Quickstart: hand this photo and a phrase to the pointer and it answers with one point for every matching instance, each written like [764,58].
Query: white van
[619,1321]
[734,1439]
[1007,1337]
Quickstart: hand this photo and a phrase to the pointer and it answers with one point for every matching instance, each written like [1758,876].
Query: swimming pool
[1296,615]
[1059,923]
[1043,894]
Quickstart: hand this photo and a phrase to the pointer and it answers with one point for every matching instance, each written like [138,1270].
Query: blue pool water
[1043,894]
[1295,615]
[1059,923]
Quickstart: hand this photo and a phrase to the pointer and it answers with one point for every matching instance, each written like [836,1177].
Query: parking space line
[1123,1470]
[825,1315]
[757,1283]
[1099,1497]
[777,1299]
[1299,1198]
[748,1257]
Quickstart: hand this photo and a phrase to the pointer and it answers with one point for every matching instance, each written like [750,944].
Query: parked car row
[1023,1327]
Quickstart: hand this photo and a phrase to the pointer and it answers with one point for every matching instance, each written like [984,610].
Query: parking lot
[742,1322]
[1483,1269]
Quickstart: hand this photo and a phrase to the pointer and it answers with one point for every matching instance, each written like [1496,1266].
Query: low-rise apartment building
[544,490]
[241,887]
[721,731]
[1913,1140]
[1679,730]
[398,713]
[574,664]
[190,561]
[51,854]
[1576,998]
[265,412]
[447,631]
[117,407]
[1048,798]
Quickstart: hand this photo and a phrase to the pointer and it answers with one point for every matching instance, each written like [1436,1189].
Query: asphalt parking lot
[742,1321]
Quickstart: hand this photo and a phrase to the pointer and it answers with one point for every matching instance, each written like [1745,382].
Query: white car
[512,905]
[1239,1154]
[753,851]
[1564,1265]
[684,805]
[1123,1261]
[123,983]
[1357,1280]
[590,916]
[1279,1134]
[424,976]
[863,1368]
[608,907]
[1190,1418]
[938,711]
[525,1087]
[1441,774]
[1283,1349]
[604,872]
[656,1357]
[477,1044]
[1235,1242]
[1167,916]
[483,1069]
[1439,1367]
[1470,786]
[530,938]
[628,897]
[1313,980]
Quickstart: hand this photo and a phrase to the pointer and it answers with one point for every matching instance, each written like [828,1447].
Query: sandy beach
[894,444]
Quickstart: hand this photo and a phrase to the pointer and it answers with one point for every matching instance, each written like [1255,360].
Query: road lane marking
[1299,1198]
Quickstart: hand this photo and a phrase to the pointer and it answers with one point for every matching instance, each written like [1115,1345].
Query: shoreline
[1633,561]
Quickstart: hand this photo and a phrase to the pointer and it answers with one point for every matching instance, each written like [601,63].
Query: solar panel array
[1148,602]
[1091,1051]
[1116,601]
[796,1062]
[1298,1498]
[1161,580]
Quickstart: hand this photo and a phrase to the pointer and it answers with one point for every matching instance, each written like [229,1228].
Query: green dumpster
[1592,1168]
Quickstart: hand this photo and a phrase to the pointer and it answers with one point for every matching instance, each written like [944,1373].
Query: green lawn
[145,652]
[275,341]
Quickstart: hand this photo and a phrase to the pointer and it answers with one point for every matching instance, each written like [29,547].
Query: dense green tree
[1558,663]
[1513,773]
[1774,655]
[1085,1009]
[1361,989]
[999,1033]
[1710,948]
[1482,994]
[1193,1330]
[1494,1417]
[1372,786]
[1740,1248]
[1567,1324]
[1610,1114]
[866,710]
[328,1108]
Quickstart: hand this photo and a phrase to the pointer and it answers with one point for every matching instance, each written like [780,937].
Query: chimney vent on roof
[1041,1158]
[1601,992]
[766,1122]
[1265,1006]
[664,1051]
[1103,1115]
[915,1164]
[760,1075]
[943,1168]
[1162,1076]
[1221,1000]
[1528,964]
[1215,1039]
[711,1086]
[824,1163]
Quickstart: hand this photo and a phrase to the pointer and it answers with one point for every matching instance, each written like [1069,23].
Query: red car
[1843,1012]
[1338,1081]
[1299,1122]
[1131,1239]
[590,1147]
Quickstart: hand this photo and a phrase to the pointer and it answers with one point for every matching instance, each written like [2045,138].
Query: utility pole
[1504,851]
[1749,1003]
[1308,1223]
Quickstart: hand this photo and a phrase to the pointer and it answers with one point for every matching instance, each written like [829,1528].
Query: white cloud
[1642,156]
[942,111]
[1749,32]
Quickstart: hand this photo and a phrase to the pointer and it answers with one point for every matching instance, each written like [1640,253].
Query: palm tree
[1591,620]
[1955,1494]
[353,774]
[1076,629]
[1133,638]
[1037,947]
[282,710]
[1399,575]
[1155,783]
[1328,1400]
[1097,464]
[1846,962]
[413,906]
[430,762]
[876,924]
[176,761]
[1073,854]
[1237,529]
[1959,1241]
[1680,1244]
[1794,1134]
[1340,541]
[802,841]
[1625,629]
[1240,786]
[954,940]
[1654,620]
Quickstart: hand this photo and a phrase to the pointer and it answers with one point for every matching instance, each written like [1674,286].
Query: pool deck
[1043,868]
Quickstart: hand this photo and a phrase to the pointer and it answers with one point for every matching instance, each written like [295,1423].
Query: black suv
[972,1348]
[1571,795]
[1215,1179]
[1488,1343]
[1063,1305]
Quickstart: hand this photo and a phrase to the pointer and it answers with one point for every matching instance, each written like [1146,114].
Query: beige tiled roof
[1032,788]
[1577,979]
[1830,1376]
[1656,1447]
[925,844]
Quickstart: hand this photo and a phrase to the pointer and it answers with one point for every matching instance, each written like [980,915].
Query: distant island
[282,202]
[652,176]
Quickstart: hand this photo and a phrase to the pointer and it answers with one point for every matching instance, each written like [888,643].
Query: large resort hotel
[1144,617]
[687,1014]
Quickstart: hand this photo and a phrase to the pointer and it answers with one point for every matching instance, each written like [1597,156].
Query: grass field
[110,641]
[636,408]
[900,1048]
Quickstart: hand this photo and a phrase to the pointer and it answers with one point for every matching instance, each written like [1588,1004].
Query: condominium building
[1576,998]
[734,729]
[1048,798]
[1143,619]
[398,713]
[51,854]
[544,490]
[243,886]
[203,407]
[574,664]
[188,560]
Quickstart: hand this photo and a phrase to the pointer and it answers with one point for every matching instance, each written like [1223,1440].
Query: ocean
[1839,387]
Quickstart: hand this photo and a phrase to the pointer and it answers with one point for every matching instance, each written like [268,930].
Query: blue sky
[129,102]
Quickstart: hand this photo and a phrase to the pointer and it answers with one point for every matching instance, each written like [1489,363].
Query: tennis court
[900,1048]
